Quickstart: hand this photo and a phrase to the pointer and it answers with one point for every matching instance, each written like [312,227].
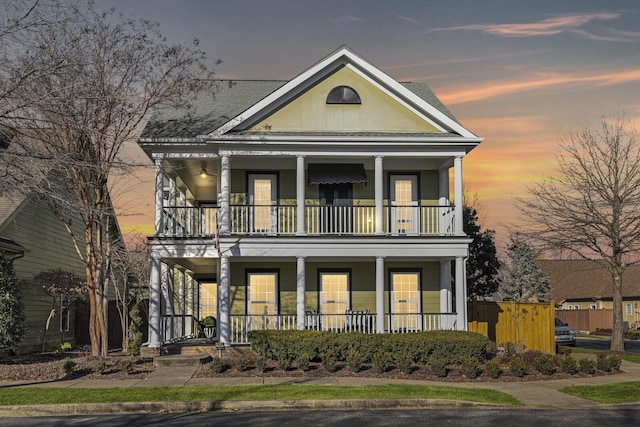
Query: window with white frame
[593,306]
[262,303]
[208,299]
[629,309]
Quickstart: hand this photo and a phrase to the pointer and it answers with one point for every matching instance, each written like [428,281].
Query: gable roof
[584,279]
[222,107]
[9,208]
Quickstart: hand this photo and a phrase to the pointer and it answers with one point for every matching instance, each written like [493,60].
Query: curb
[240,405]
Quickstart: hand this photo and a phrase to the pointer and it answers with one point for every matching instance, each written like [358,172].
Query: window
[405,300]
[343,95]
[593,306]
[262,303]
[629,309]
[334,298]
[208,299]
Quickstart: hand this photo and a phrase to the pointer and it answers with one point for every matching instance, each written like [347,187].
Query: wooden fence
[587,320]
[530,326]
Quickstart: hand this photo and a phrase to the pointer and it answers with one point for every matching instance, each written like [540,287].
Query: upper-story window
[343,95]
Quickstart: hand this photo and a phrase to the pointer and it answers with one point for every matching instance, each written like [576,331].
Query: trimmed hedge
[451,347]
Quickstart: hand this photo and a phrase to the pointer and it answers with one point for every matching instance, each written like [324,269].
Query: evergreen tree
[522,280]
[11,309]
[483,265]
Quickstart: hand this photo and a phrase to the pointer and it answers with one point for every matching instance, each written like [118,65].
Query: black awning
[336,173]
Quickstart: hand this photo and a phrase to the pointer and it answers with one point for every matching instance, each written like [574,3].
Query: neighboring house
[330,196]
[45,244]
[583,285]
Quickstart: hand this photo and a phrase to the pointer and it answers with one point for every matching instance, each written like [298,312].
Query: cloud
[615,36]
[347,19]
[547,27]
[406,18]
[458,95]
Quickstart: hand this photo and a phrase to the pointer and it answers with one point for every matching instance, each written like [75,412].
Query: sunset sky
[521,74]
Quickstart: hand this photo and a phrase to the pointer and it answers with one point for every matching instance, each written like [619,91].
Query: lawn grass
[36,396]
[633,358]
[610,393]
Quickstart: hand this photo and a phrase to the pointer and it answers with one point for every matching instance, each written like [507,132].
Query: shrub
[404,363]
[354,360]
[242,365]
[470,368]
[284,363]
[603,362]
[127,366]
[381,362]
[261,364]
[438,367]
[100,367]
[615,360]
[492,368]
[329,361]
[545,364]
[67,367]
[587,366]
[65,346]
[569,365]
[217,365]
[303,362]
[530,357]
[510,349]
[517,366]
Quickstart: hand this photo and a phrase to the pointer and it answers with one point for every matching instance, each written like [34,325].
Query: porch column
[300,196]
[300,292]
[167,291]
[445,287]
[225,189]
[224,325]
[457,188]
[189,329]
[155,338]
[461,295]
[379,196]
[173,225]
[181,301]
[159,215]
[380,295]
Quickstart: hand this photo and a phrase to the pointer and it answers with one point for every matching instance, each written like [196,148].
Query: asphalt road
[605,344]
[619,417]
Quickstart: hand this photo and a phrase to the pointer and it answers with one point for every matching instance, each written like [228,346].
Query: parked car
[564,334]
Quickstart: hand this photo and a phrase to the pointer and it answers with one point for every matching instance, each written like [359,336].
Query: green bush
[242,365]
[127,366]
[438,367]
[217,365]
[303,362]
[510,349]
[545,364]
[470,368]
[261,364]
[354,360]
[603,362]
[67,367]
[615,360]
[587,366]
[404,363]
[329,361]
[381,362]
[569,365]
[100,367]
[517,366]
[492,368]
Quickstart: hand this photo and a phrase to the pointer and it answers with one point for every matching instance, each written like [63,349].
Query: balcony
[281,220]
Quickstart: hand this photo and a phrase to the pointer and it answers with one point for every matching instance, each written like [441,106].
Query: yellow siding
[377,113]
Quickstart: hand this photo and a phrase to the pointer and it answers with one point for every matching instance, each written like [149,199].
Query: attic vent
[343,95]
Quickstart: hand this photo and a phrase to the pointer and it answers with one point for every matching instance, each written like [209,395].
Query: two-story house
[322,202]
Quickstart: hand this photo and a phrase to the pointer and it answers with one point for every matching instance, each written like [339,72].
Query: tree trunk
[617,333]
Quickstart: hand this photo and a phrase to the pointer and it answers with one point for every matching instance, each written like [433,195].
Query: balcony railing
[353,321]
[281,220]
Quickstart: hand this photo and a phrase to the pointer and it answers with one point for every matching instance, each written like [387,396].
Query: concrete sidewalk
[538,394]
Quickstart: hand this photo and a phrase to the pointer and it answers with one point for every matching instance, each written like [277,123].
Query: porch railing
[281,220]
[176,327]
[355,321]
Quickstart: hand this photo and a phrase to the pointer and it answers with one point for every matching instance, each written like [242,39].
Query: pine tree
[483,264]
[11,308]
[522,280]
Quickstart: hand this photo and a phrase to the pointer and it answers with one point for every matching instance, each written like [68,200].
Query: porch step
[181,360]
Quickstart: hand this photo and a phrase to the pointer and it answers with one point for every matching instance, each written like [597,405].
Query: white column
[300,196]
[380,295]
[155,338]
[461,295]
[379,196]
[167,291]
[300,292]
[445,287]
[172,206]
[181,302]
[159,215]
[189,329]
[224,325]
[457,188]
[225,194]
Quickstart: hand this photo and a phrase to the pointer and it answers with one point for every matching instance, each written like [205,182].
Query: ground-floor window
[208,299]
[262,298]
[334,298]
[405,299]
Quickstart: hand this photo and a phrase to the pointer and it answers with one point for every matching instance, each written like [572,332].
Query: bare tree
[591,209]
[113,72]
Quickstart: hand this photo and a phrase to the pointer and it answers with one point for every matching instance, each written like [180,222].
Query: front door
[263,201]
[262,303]
[405,301]
[336,208]
[334,299]
[405,218]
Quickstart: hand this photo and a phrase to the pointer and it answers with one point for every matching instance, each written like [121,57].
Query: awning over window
[336,173]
